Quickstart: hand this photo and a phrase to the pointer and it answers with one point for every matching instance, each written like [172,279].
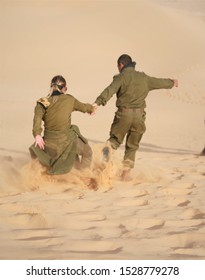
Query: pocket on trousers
[140,126]
[117,117]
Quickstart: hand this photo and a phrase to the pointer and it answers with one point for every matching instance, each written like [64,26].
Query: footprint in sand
[90,217]
[72,233]
[176,191]
[33,234]
[191,244]
[98,232]
[21,216]
[10,208]
[183,240]
[192,252]
[192,213]
[91,246]
[132,202]
[134,223]
[178,201]
[184,223]
[28,221]
[150,223]
[186,185]
[42,241]
[132,193]
[109,232]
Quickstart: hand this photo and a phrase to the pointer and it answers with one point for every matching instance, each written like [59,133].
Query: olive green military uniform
[131,88]
[63,141]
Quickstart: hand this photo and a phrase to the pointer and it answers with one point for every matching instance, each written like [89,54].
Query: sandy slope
[159,214]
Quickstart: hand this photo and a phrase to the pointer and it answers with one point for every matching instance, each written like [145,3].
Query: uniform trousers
[129,123]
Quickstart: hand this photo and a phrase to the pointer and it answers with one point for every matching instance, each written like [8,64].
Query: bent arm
[37,120]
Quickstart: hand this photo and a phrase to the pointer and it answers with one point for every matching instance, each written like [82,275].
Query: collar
[56,93]
[132,64]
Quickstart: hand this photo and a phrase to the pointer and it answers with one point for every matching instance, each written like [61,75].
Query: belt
[133,110]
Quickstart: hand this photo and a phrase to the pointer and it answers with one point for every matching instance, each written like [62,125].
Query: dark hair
[57,84]
[58,81]
[125,59]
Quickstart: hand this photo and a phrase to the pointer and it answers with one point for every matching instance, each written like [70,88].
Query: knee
[114,143]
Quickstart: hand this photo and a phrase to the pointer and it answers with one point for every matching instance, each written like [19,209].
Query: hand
[39,142]
[95,107]
[175,82]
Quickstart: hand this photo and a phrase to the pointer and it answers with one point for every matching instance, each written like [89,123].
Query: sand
[160,213]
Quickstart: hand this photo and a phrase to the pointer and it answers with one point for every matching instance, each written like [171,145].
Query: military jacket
[56,111]
[132,88]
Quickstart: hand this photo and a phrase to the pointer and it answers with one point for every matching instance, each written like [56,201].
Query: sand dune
[160,214]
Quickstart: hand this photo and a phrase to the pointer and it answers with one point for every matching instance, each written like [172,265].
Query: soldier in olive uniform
[62,144]
[131,88]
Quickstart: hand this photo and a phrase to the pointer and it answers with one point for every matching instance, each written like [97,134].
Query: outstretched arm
[109,91]
[83,107]
[158,83]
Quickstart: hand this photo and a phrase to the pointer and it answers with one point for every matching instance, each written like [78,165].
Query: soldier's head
[58,83]
[123,61]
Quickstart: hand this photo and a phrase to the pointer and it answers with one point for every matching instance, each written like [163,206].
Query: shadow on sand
[150,148]
[144,147]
